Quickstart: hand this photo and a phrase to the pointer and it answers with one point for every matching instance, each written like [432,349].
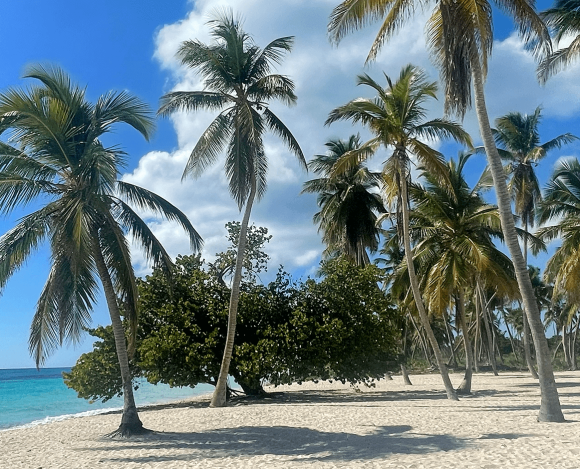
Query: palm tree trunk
[477,349]
[421,340]
[550,409]
[565,346]
[451,340]
[417,294]
[527,345]
[512,342]
[219,395]
[465,386]
[573,346]
[404,372]
[130,422]
[488,331]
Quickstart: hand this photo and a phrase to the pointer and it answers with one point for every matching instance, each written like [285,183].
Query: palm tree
[518,141]
[396,117]
[348,207]
[238,82]
[59,161]
[460,35]
[564,20]
[456,249]
[562,204]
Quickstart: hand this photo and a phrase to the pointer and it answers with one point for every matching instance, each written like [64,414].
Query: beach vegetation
[56,159]
[238,82]
[460,40]
[518,141]
[564,22]
[349,203]
[341,327]
[455,252]
[396,118]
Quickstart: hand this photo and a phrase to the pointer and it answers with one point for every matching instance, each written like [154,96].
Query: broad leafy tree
[341,328]
[238,83]
[58,162]
[396,119]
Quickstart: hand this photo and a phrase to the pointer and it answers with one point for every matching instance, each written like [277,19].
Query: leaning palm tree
[396,117]
[460,35]
[349,203]
[55,157]
[239,83]
[456,249]
[518,141]
[564,20]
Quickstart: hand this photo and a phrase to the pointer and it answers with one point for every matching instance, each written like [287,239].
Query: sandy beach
[328,426]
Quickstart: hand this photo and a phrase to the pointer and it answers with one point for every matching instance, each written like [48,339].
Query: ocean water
[32,397]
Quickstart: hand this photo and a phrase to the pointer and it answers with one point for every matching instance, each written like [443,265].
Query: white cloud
[325,78]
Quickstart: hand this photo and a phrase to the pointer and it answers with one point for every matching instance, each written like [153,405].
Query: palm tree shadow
[302,444]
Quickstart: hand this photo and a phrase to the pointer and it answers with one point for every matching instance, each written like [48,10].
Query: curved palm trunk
[465,386]
[550,409]
[219,395]
[417,294]
[130,422]
[527,345]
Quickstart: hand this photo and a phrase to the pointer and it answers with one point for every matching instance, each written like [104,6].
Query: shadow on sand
[302,444]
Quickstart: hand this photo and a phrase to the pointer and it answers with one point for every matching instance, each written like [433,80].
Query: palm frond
[278,127]
[192,101]
[148,200]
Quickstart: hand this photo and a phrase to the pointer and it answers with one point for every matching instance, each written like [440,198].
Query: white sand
[326,426]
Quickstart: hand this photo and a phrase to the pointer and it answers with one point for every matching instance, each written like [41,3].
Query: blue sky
[131,45]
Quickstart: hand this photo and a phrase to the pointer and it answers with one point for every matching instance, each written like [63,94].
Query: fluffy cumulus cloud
[325,78]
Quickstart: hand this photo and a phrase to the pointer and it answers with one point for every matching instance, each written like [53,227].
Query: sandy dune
[327,426]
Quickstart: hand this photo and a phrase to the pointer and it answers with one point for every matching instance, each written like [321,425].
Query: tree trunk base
[405,374]
[126,430]
[464,388]
[546,415]
[218,400]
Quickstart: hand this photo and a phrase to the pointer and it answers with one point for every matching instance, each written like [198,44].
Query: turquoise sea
[32,397]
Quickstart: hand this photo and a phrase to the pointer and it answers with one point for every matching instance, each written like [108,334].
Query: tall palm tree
[238,82]
[348,205]
[456,249]
[564,20]
[58,161]
[518,141]
[396,118]
[460,35]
